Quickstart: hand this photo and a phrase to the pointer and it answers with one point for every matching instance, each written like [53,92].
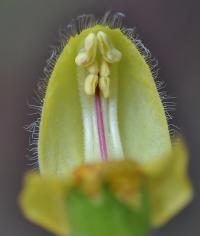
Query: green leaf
[106,216]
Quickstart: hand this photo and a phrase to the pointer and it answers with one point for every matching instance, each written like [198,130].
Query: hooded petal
[136,125]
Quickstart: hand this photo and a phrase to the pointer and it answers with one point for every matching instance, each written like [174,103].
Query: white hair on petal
[76,26]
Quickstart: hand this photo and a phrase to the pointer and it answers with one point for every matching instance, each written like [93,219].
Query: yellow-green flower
[104,135]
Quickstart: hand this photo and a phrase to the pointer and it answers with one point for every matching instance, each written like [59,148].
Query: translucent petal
[142,122]
[42,201]
[141,119]
[171,189]
[61,135]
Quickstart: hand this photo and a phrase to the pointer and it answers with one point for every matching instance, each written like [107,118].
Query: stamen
[104,85]
[104,69]
[101,131]
[93,69]
[104,80]
[87,54]
[109,53]
[82,58]
[91,82]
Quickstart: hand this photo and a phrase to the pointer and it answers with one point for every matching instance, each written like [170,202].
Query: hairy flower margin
[103,130]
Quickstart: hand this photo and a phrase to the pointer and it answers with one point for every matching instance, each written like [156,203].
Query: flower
[104,134]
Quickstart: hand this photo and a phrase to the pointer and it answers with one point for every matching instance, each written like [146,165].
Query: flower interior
[101,103]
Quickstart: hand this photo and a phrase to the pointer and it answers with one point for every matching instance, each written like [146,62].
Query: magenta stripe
[101,131]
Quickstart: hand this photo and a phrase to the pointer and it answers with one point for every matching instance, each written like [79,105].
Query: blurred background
[170,29]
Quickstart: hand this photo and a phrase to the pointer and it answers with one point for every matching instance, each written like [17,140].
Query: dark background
[170,29]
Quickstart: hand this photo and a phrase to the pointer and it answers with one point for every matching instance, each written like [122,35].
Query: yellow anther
[104,69]
[82,58]
[90,42]
[113,55]
[93,68]
[104,85]
[109,53]
[103,42]
[91,82]
[87,57]
[87,54]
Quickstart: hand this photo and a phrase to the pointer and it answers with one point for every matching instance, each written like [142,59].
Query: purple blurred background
[170,29]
